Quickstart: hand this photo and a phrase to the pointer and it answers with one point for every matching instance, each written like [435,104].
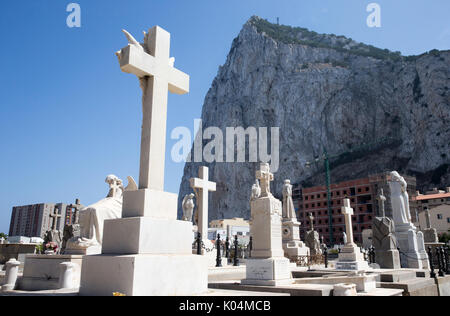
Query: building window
[439,216]
[306,198]
[448,220]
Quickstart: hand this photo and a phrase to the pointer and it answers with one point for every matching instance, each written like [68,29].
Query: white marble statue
[344,238]
[256,191]
[92,217]
[399,199]
[188,207]
[288,203]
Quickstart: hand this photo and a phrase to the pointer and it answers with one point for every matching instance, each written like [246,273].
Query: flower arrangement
[51,246]
[118,294]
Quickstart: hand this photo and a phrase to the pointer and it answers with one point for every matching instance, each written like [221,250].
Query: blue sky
[69,116]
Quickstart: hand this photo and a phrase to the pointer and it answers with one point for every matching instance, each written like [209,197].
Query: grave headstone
[312,239]
[429,233]
[267,266]
[350,257]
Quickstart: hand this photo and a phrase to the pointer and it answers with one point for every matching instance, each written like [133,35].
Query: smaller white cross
[347,211]
[204,186]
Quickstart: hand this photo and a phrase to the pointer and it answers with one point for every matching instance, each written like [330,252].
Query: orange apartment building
[363,197]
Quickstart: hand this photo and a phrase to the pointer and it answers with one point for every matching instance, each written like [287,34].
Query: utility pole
[328,184]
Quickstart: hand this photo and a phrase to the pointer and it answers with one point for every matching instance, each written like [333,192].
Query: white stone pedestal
[148,255]
[351,258]
[268,266]
[412,249]
[93,250]
[12,270]
[292,245]
[42,272]
[271,271]
[66,275]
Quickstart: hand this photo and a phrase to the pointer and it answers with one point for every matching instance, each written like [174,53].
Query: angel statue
[256,191]
[92,218]
[188,207]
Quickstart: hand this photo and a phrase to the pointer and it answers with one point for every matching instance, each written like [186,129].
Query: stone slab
[226,273]
[225,293]
[382,292]
[144,275]
[352,265]
[364,283]
[146,235]
[415,287]
[443,285]
[292,289]
[397,276]
[150,203]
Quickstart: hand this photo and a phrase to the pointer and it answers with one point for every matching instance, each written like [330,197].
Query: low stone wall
[12,251]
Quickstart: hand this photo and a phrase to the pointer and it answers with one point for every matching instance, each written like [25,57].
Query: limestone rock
[325,91]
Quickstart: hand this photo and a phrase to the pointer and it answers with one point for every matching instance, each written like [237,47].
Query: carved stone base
[271,271]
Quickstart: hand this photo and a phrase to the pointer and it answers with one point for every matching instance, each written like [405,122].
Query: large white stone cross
[348,212]
[204,186]
[151,62]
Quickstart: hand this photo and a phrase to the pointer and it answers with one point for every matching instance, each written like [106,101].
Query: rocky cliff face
[372,110]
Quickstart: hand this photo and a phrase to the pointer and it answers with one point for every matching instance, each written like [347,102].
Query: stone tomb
[267,266]
[148,252]
[42,272]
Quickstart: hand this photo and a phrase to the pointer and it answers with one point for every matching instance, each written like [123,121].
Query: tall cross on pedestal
[381,199]
[311,221]
[347,211]
[265,177]
[55,215]
[152,64]
[204,186]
